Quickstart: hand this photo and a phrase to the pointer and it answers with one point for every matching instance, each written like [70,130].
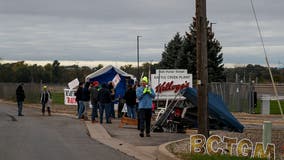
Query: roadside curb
[164,154]
[99,133]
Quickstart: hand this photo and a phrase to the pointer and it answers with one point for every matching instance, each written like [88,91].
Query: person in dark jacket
[84,103]
[104,98]
[112,95]
[130,100]
[137,85]
[94,91]
[45,99]
[20,94]
[78,95]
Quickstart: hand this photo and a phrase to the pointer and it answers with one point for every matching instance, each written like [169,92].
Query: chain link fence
[239,97]
[242,97]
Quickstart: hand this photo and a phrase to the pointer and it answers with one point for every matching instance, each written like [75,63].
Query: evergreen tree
[189,50]
[215,58]
[180,53]
[183,55]
[169,56]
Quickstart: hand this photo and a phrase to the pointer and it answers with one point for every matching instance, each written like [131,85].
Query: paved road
[34,137]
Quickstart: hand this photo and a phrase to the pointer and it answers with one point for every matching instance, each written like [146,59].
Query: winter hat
[145,79]
[96,83]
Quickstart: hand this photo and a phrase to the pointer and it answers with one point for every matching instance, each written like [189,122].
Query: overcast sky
[106,30]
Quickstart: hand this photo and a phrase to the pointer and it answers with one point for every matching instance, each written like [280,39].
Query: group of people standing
[45,99]
[101,98]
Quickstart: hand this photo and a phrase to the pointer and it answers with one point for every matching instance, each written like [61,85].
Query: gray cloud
[107,30]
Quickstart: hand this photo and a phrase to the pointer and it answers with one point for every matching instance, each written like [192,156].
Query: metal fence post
[265,107]
[266,133]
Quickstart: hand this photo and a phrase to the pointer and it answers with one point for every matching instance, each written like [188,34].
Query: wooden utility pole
[202,67]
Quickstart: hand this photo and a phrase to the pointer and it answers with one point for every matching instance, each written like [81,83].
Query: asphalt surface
[128,141]
[130,134]
[34,137]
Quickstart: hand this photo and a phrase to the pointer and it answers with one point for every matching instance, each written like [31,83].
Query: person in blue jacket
[145,94]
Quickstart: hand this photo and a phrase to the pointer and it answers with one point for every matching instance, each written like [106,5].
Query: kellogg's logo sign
[170,86]
[168,82]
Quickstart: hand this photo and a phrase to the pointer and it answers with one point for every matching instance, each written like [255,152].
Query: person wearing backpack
[94,91]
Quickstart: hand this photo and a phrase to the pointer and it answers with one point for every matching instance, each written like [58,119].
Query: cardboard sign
[69,97]
[73,84]
[116,80]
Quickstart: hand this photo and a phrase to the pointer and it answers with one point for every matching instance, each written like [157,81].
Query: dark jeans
[138,119]
[20,107]
[78,107]
[119,109]
[94,111]
[145,116]
[105,107]
[112,113]
[81,109]
[131,111]
[43,108]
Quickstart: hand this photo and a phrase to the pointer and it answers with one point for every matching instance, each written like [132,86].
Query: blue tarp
[216,108]
[106,74]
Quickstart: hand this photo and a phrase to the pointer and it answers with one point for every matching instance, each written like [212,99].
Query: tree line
[49,73]
[254,74]
[54,73]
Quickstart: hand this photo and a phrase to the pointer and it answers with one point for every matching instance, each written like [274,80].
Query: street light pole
[211,24]
[138,72]
[211,29]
